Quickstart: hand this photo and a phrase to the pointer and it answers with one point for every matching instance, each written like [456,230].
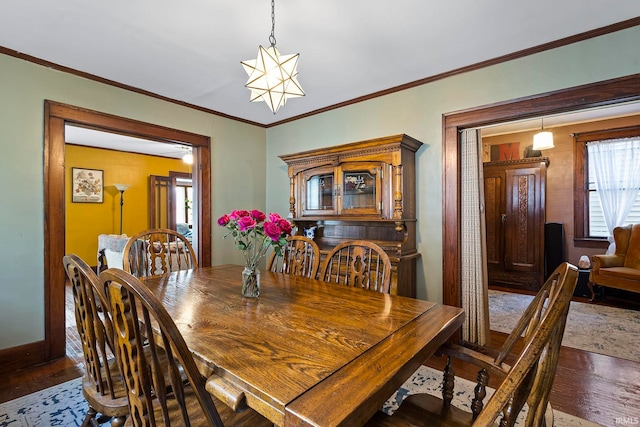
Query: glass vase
[250,282]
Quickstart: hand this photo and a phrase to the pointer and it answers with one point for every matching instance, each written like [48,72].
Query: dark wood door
[515,216]
[159,201]
[162,201]
[524,223]
[495,215]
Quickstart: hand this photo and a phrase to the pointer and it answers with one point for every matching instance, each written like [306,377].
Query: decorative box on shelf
[362,190]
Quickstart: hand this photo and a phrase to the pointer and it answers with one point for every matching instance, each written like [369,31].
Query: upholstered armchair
[622,269]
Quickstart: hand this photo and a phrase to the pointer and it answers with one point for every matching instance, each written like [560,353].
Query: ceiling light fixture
[543,140]
[273,78]
[188,157]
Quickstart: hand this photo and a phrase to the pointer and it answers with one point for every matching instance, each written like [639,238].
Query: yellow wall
[85,221]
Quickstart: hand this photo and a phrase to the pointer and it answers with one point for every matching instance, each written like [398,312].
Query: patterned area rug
[60,405]
[63,405]
[596,328]
[427,380]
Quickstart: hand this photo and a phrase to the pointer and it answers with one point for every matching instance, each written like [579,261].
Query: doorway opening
[600,94]
[171,202]
[57,116]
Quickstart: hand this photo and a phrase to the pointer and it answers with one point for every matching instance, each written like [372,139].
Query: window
[619,150]
[590,224]
[184,201]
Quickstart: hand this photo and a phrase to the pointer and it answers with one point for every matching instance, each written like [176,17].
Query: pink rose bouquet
[254,233]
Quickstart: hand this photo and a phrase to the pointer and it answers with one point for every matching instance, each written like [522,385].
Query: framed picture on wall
[87,185]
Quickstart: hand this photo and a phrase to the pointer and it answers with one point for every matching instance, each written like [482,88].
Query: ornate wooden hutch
[362,190]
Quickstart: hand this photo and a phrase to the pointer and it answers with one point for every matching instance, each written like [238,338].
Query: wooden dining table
[304,352]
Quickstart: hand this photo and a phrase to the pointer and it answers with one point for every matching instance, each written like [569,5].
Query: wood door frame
[600,94]
[55,116]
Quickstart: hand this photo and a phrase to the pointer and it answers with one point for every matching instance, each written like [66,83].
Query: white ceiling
[95,138]
[549,122]
[190,51]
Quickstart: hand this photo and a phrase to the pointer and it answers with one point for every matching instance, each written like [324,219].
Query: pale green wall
[418,113]
[238,174]
[242,155]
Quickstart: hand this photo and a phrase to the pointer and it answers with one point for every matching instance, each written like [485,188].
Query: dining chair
[153,399]
[102,384]
[300,257]
[358,263]
[158,251]
[529,380]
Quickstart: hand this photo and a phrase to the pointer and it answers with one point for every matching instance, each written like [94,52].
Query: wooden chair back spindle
[157,390]
[102,382]
[528,381]
[358,263]
[301,257]
[158,251]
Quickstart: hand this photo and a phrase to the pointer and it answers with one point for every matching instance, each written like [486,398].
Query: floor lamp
[121,188]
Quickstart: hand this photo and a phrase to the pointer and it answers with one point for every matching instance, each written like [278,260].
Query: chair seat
[424,409]
[103,403]
[247,417]
[620,270]
[621,273]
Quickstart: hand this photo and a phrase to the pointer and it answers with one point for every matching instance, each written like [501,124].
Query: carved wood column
[292,196]
[397,197]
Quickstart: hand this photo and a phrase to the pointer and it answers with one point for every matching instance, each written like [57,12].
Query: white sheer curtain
[616,163]
[473,257]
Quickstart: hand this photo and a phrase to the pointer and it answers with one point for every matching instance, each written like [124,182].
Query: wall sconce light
[121,188]
[543,140]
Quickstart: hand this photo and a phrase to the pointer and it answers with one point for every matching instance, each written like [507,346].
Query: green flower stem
[256,248]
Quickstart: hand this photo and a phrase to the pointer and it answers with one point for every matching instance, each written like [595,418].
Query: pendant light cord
[272,37]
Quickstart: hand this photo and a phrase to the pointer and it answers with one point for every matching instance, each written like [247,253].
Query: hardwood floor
[592,386]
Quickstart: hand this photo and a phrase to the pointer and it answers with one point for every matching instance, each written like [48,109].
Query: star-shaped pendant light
[273,78]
